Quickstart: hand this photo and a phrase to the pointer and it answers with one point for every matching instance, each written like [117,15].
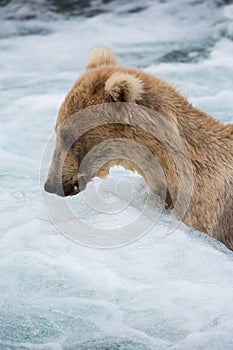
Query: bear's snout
[65,189]
[49,187]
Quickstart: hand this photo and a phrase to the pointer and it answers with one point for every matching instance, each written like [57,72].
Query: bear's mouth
[66,188]
[75,190]
[69,189]
[72,189]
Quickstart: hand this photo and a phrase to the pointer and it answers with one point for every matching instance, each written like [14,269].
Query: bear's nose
[49,187]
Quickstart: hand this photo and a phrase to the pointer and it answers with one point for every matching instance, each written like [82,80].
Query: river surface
[163,291]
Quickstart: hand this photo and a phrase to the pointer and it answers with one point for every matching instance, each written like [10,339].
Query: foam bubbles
[163,291]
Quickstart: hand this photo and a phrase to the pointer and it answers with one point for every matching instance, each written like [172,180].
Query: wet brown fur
[209,142]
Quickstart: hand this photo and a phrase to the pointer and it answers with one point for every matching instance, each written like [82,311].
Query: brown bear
[193,151]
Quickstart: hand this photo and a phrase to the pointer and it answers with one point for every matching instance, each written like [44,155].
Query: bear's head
[102,83]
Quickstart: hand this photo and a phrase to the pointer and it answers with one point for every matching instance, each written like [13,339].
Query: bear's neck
[204,135]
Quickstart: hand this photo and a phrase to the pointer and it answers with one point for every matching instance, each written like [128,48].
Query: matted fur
[208,141]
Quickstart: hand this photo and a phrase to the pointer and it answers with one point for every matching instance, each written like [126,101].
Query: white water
[164,291]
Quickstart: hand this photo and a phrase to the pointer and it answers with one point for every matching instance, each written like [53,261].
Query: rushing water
[164,291]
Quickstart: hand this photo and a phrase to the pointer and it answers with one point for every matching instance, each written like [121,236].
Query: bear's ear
[101,56]
[123,87]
